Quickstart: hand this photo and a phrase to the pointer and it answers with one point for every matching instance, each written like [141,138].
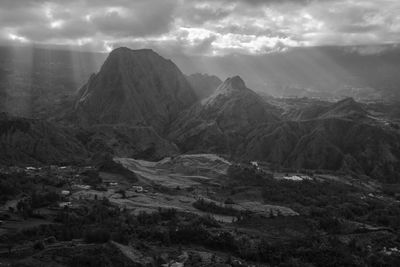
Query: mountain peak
[135,87]
[236,82]
[123,49]
[347,107]
[230,85]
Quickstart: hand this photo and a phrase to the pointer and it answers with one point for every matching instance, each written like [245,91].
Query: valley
[231,203]
[145,166]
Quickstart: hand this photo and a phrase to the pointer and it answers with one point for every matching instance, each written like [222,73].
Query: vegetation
[212,207]
[331,231]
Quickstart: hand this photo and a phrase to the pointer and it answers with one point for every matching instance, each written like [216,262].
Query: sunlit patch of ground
[176,183]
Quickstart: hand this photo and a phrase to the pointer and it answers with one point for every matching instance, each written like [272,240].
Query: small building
[65,192]
[254,163]
[64,204]
[293,178]
[84,187]
[137,188]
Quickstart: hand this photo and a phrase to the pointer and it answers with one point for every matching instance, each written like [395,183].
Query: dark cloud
[209,27]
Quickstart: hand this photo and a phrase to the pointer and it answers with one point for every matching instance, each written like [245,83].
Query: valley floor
[194,210]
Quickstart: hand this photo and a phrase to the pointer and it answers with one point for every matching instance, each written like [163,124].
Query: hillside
[332,144]
[312,109]
[220,121]
[32,141]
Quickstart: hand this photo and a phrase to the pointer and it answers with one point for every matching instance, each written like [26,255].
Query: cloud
[138,18]
[200,27]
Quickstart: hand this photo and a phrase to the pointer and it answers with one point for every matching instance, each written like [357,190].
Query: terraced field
[177,183]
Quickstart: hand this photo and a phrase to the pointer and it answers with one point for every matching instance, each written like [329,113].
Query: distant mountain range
[141,105]
[34,80]
[361,72]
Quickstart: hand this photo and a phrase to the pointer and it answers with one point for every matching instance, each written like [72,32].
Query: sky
[200,27]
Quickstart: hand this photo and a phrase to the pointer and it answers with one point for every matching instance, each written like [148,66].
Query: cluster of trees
[246,174]
[212,207]
[14,183]
[328,207]
[91,177]
[306,192]
[106,163]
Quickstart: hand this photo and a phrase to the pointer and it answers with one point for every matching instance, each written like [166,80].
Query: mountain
[219,122]
[136,88]
[346,108]
[33,78]
[140,105]
[34,141]
[334,72]
[204,85]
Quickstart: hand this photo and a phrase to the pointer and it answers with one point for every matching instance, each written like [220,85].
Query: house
[65,192]
[254,163]
[84,187]
[137,188]
[64,204]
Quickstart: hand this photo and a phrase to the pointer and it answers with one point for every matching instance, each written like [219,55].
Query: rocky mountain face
[219,122]
[33,141]
[204,85]
[136,88]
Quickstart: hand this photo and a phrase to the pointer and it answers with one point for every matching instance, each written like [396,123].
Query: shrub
[98,235]
[91,177]
[38,245]
[212,207]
